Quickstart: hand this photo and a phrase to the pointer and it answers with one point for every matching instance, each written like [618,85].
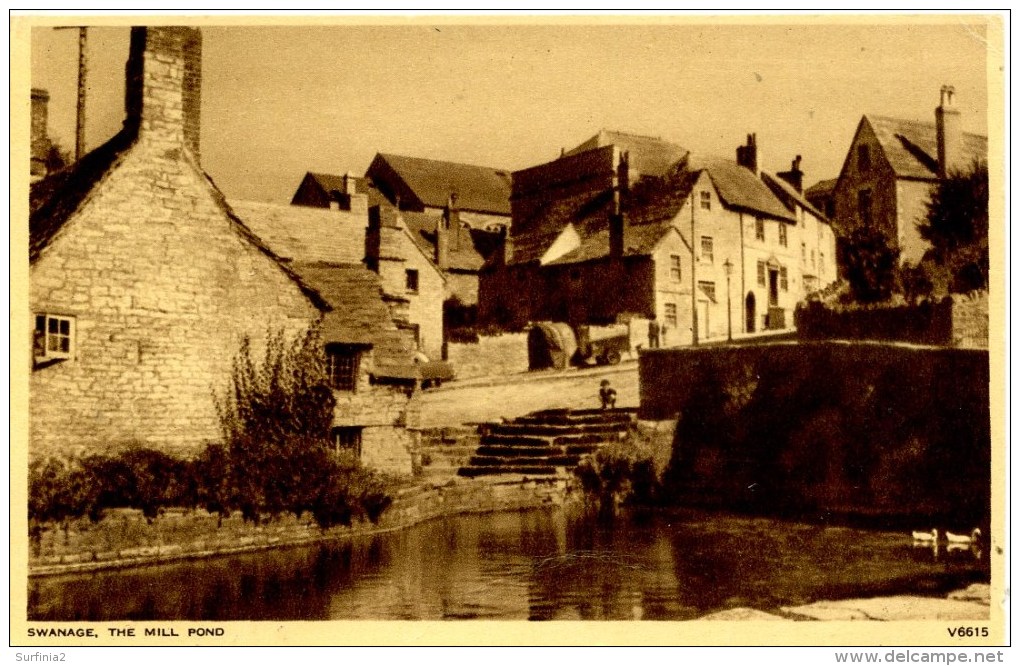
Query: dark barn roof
[430,182]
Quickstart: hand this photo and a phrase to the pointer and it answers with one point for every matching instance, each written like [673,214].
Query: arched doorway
[749,312]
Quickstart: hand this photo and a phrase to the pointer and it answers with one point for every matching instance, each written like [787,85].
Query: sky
[279,101]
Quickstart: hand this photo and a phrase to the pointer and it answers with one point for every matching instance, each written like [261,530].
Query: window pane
[65,327]
[53,325]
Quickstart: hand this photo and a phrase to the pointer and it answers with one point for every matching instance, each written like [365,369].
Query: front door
[749,312]
[773,288]
[703,320]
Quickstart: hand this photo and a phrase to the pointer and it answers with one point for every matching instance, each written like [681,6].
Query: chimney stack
[40,133]
[621,185]
[948,133]
[453,213]
[444,226]
[164,85]
[747,155]
[795,177]
[350,183]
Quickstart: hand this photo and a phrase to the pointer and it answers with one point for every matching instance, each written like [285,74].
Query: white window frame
[46,344]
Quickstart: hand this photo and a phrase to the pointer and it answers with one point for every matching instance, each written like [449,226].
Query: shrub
[622,472]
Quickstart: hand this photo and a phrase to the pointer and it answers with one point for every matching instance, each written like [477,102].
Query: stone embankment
[124,539]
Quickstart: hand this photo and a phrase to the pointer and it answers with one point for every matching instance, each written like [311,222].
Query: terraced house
[631,228]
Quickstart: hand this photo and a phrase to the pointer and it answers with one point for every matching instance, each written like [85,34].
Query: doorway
[773,288]
[749,312]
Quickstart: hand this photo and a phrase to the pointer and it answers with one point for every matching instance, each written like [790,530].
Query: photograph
[679,329]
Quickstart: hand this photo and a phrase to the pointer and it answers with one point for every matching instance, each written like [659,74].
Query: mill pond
[550,564]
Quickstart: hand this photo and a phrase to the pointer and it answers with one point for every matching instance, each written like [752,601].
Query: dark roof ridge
[429,159]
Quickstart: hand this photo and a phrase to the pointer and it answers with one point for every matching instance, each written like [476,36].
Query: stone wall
[491,356]
[865,429]
[162,287]
[970,320]
[958,320]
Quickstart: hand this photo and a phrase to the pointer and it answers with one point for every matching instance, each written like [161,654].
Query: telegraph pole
[79,136]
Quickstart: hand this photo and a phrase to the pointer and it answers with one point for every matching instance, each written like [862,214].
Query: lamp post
[728,267]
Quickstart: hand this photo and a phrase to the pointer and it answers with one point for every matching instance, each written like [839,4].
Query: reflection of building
[142,281]
[605,234]
[889,171]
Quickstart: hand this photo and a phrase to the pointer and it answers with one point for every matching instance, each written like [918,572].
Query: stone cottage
[708,248]
[891,166]
[363,343]
[142,280]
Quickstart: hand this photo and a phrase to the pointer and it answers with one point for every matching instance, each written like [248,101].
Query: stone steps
[546,442]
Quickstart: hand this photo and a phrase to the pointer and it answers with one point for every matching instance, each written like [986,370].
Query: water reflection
[539,565]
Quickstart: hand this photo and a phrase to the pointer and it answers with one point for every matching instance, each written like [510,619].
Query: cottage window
[706,200]
[782,234]
[342,364]
[411,280]
[347,440]
[671,318]
[761,273]
[864,206]
[706,249]
[53,338]
[674,267]
[821,263]
[863,159]
[708,288]
[784,283]
[759,229]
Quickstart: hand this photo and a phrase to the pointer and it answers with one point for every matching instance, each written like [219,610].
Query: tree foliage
[956,225]
[870,260]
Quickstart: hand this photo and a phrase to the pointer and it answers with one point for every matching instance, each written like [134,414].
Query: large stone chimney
[40,133]
[621,186]
[948,134]
[447,224]
[164,85]
[747,155]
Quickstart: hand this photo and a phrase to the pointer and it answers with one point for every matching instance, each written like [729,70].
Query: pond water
[539,565]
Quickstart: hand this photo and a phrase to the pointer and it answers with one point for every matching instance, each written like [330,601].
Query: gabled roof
[911,146]
[821,188]
[330,183]
[470,253]
[649,155]
[430,182]
[739,188]
[359,316]
[648,217]
[306,234]
[790,196]
[54,200]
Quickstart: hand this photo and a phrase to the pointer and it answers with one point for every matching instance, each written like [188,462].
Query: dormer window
[53,339]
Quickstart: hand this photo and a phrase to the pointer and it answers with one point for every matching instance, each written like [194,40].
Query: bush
[620,473]
[278,457]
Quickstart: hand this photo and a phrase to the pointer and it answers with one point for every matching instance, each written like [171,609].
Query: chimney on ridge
[164,85]
[747,155]
[795,177]
[40,133]
[621,185]
[444,227]
[948,133]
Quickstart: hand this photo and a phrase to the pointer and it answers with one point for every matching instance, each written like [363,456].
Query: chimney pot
[948,133]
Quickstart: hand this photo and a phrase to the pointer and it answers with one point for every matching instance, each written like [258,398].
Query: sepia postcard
[509,329]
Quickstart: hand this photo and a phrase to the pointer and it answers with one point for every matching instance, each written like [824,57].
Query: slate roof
[302,233]
[649,155]
[740,188]
[822,188]
[333,183]
[478,189]
[788,193]
[911,146]
[475,246]
[359,316]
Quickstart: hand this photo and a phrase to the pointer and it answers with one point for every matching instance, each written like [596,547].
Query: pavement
[494,398]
